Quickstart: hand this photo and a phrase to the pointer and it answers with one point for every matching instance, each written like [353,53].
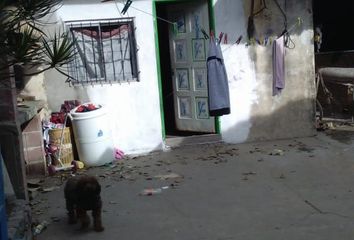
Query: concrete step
[175,141]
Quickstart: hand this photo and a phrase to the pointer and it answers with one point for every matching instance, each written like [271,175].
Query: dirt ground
[289,189]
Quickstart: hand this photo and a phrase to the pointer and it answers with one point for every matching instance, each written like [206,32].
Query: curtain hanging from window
[103,52]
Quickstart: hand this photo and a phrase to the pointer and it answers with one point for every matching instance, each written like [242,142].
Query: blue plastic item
[3,220]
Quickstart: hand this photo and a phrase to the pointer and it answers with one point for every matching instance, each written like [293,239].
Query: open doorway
[183,67]
[334,58]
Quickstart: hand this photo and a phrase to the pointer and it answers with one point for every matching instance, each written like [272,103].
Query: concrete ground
[290,189]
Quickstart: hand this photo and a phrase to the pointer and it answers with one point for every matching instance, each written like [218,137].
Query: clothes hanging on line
[218,88]
[278,65]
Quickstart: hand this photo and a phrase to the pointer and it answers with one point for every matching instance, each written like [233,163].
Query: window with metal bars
[106,52]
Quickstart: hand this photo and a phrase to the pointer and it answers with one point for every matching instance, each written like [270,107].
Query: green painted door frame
[212,27]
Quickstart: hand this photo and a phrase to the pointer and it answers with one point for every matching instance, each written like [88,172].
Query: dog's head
[88,188]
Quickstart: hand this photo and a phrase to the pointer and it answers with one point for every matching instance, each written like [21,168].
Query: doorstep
[175,141]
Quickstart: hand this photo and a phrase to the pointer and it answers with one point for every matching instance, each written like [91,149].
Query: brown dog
[82,193]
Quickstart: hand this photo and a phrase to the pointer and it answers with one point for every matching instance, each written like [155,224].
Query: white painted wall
[255,113]
[134,108]
[230,19]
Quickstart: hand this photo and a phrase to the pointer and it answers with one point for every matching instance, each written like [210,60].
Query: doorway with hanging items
[182,51]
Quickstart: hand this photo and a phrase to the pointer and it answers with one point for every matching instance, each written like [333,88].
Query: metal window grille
[106,52]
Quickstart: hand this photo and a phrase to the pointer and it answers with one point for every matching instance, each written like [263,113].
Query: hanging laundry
[225,39]
[218,88]
[278,65]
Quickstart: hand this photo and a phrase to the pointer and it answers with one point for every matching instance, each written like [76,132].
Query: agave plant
[24,42]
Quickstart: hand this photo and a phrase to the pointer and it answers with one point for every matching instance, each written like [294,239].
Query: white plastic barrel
[92,136]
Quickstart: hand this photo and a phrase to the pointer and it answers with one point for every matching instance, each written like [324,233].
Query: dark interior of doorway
[335,20]
[335,93]
[166,75]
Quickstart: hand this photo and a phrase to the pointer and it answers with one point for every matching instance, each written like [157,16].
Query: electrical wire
[288,41]
[282,11]
[115,3]
[157,17]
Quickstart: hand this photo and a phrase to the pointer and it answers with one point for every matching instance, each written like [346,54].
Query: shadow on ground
[290,189]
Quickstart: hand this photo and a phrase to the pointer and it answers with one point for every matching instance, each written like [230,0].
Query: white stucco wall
[255,113]
[134,108]
[230,19]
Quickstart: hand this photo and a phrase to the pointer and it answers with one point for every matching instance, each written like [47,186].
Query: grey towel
[218,88]
[278,66]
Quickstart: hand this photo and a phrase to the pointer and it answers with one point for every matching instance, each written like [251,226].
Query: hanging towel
[218,88]
[278,66]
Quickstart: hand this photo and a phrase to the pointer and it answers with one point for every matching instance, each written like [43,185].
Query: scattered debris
[256,150]
[150,191]
[221,160]
[38,212]
[33,186]
[33,192]
[34,203]
[49,189]
[55,219]
[330,125]
[304,148]
[277,152]
[229,152]
[282,176]
[111,165]
[128,177]
[34,182]
[40,227]
[169,176]
[79,164]
[246,174]
[202,159]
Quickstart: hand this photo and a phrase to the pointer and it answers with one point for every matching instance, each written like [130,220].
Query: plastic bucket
[92,136]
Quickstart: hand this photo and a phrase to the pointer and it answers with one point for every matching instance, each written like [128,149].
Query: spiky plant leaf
[23,46]
[59,50]
[23,41]
[37,9]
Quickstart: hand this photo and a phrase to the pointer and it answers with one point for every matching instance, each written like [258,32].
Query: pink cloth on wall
[278,66]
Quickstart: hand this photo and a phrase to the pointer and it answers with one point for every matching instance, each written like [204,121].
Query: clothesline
[264,41]
[219,72]
[157,17]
